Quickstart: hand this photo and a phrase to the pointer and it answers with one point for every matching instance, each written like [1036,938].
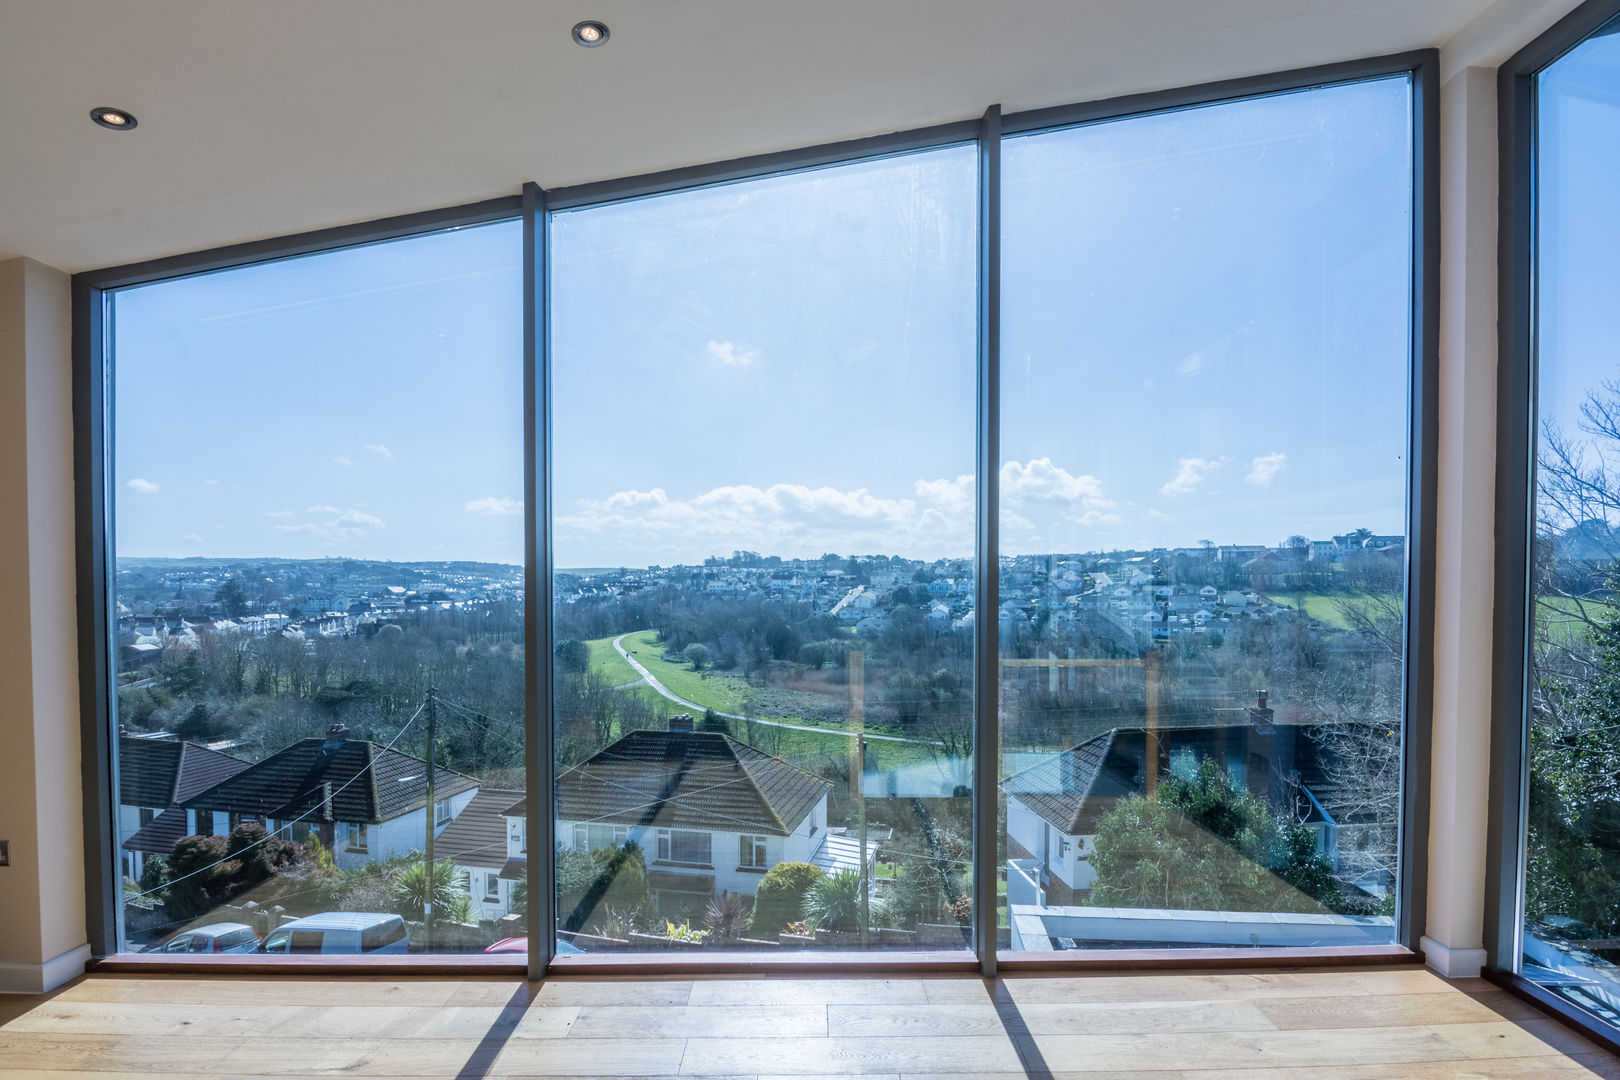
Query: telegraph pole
[857,771]
[427,897]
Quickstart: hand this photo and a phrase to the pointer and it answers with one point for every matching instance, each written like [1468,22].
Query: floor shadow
[1012,1022]
[495,1039]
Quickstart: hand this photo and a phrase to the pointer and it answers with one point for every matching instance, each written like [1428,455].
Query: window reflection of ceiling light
[113,119]
[590,33]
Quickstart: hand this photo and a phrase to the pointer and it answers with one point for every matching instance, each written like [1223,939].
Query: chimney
[682,722]
[1260,716]
[335,736]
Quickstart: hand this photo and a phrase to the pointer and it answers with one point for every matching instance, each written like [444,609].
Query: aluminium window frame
[534,206]
[1517,419]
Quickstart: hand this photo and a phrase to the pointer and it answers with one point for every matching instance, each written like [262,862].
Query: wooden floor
[1396,1023]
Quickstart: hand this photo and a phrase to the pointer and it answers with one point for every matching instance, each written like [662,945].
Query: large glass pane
[1203,501]
[318,467]
[1571,938]
[763,457]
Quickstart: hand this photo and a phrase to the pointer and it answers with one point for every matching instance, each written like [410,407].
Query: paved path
[652,680]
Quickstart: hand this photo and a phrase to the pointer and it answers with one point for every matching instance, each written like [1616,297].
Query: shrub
[834,902]
[779,899]
[588,883]
[727,916]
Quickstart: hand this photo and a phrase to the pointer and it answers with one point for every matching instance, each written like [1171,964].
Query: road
[652,680]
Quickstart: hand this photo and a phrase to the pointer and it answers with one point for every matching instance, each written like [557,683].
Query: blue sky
[1578,222]
[1204,337]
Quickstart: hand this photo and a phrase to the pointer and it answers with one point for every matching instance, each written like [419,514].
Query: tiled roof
[1061,788]
[162,772]
[158,836]
[477,837]
[689,780]
[362,781]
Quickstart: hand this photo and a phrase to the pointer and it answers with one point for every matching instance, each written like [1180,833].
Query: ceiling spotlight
[113,119]
[590,33]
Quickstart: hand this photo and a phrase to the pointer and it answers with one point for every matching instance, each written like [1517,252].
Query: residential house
[363,801]
[480,844]
[710,814]
[1053,806]
[155,778]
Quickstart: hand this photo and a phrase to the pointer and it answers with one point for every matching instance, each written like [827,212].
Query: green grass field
[732,693]
[1328,607]
[1561,619]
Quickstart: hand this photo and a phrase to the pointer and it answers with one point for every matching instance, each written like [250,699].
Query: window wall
[316,634]
[1205,351]
[680,496]
[762,456]
[1563,876]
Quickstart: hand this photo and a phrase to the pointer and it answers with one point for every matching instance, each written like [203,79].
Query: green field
[1328,607]
[1563,620]
[732,693]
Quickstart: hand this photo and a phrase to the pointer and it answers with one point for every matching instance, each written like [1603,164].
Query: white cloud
[211,483]
[494,506]
[1263,469]
[1191,365]
[726,354]
[935,520]
[380,450]
[1190,474]
[193,538]
[340,460]
[145,487]
[333,526]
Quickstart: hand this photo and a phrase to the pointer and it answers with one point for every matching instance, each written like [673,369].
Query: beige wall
[42,902]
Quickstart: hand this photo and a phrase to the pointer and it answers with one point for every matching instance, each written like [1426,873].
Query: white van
[351,933]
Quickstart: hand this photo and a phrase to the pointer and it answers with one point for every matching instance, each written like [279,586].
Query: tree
[572,656]
[590,883]
[779,899]
[696,654]
[232,597]
[713,721]
[1201,843]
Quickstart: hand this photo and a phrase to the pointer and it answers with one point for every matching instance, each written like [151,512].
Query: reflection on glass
[1571,938]
[1203,490]
[318,469]
[763,452]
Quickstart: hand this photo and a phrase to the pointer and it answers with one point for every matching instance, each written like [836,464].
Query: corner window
[752,852]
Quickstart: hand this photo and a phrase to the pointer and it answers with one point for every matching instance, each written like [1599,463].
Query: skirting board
[43,978]
[1453,963]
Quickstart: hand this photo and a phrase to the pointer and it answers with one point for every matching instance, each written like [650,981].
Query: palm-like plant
[834,902]
[411,889]
[726,916]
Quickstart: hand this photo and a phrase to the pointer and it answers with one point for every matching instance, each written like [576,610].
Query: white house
[155,776]
[480,844]
[710,814]
[365,802]
[1054,805]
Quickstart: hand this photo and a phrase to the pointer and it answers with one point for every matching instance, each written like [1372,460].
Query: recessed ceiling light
[590,33]
[113,119]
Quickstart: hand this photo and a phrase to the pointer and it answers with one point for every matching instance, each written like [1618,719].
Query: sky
[1205,336]
[1578,230]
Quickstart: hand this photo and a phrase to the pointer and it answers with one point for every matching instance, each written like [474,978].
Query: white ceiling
[265,118]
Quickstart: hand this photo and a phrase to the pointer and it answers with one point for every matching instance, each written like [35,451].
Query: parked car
[521,945]
[347,933]
[225,937]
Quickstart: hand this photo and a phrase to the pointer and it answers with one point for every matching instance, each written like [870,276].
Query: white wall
[42,893]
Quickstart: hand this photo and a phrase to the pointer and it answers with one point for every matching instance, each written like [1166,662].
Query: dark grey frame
[1516,423]
[92,418]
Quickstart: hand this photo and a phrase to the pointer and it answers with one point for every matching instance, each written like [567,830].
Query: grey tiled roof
[158,836]
[163,772]
[1060,788]
[363,782]
[689,780]
[477,837]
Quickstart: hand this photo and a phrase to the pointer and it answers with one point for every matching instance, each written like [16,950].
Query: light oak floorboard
[689,1021]
[808,992]
[1047,1019]
[850,1056]
[1357,1011]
